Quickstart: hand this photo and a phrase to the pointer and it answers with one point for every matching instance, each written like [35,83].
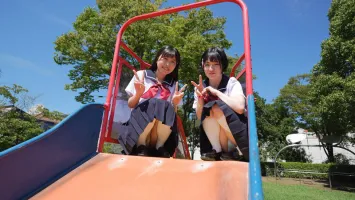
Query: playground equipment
[66,162]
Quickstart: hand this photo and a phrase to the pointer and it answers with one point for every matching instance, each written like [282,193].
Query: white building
[317,153]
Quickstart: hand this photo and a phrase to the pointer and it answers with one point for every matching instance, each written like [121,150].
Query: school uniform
[237,123]
[154,103]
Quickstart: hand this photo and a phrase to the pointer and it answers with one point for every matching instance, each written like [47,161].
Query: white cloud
[13,61]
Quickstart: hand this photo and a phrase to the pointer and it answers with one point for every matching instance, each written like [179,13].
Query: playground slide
[62,163]
[108,176]
[31,166]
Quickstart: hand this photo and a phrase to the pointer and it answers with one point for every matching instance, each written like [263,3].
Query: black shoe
[211,156]
[142,150]
[162,152]
[233,155]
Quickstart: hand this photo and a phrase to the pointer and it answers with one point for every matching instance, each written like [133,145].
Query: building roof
[38,117]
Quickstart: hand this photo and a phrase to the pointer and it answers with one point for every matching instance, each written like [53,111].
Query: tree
[90,47]
[320,103]
[41,111]
[193,133]
[277,120]
[17,96]
[333,81]
[16,125]
[324,100]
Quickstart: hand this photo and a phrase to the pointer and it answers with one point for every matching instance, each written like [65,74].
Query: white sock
[163,132]
[212,130]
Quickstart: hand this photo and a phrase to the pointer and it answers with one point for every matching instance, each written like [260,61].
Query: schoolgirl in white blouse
[220,105]
[154,96]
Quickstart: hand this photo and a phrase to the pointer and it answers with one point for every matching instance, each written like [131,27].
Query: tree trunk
[330,153]
[192,153]
[187,103]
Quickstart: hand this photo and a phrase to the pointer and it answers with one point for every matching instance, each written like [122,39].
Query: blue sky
[285,39]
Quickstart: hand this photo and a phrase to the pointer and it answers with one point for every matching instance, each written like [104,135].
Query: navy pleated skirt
[237,123]
[143,114]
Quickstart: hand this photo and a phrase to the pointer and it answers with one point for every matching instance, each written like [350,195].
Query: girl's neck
[215,82]
[160,77]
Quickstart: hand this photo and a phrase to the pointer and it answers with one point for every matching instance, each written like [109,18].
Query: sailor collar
[151,75]
[222,85]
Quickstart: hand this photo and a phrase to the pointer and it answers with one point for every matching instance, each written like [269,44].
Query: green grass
[274,191]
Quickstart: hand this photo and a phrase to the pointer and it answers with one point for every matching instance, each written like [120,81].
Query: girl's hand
[210,90]
[178,94]
[139,84]
[198,87]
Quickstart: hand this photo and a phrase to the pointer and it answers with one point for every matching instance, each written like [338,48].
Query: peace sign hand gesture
[139,84]
[178,94]
[199,88]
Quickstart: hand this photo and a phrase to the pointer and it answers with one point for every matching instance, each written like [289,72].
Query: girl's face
[166,65]
[212,69]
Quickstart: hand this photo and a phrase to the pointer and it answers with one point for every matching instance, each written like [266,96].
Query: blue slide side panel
[255,184]
[30,166]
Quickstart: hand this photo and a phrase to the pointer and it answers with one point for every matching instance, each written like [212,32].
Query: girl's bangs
[212,57]
[168,53]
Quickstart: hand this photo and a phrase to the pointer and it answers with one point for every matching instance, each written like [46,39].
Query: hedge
[267,169]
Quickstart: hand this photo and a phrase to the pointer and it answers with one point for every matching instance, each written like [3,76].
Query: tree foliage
[274,122]
[89,48]
[41,111]
[323,101]
[333,81]
[16,125]
[16,95]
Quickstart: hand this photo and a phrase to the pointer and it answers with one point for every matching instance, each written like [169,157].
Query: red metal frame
[255,183]
[240,74]
[235,67]
[183,137]
[126,63]
[130,51]
[112,115]
[108,104]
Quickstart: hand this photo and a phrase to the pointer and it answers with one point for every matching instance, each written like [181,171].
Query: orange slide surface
[110,176]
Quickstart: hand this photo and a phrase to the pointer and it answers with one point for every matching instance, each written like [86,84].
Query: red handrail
[126,63]
[130,51]
[240,74]
[183,137]
[122,62]
[240,60]
[112,115]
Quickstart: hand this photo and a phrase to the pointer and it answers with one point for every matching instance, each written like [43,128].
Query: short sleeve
[235,88]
